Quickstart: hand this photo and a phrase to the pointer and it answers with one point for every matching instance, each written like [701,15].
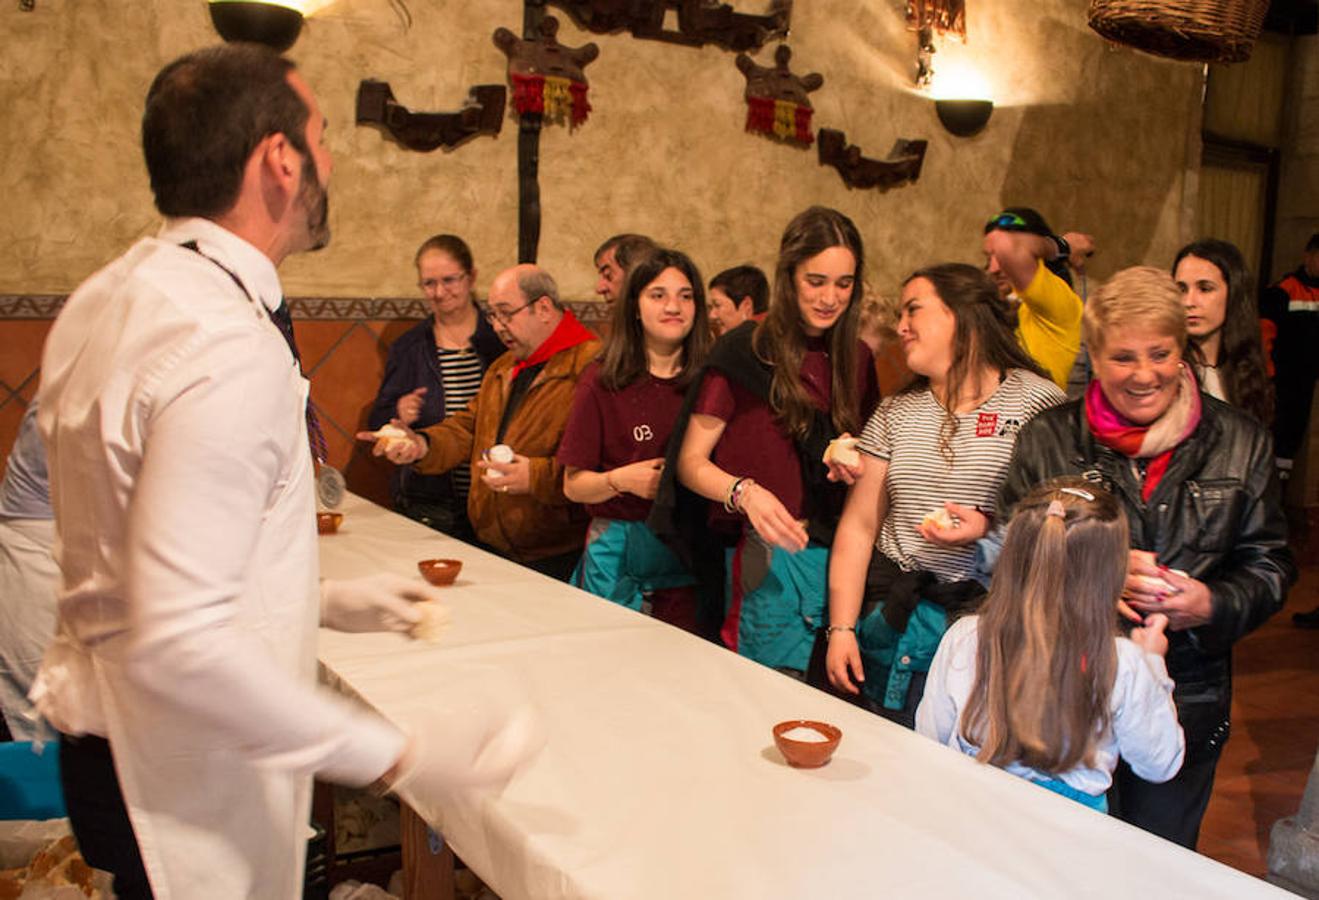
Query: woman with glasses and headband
[432,371]
[1208,536]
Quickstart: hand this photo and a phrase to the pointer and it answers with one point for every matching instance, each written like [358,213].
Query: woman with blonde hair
[1208,537]
[1039,683]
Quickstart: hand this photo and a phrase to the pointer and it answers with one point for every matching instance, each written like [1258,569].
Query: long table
[660,778]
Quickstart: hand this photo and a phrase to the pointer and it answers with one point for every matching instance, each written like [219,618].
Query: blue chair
[30,781]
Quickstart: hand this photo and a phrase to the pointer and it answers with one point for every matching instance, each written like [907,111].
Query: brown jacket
[523,527]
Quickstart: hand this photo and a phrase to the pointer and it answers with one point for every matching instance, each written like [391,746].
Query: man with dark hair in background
[174,410]
[1293,306]
[737,295]
[613,258]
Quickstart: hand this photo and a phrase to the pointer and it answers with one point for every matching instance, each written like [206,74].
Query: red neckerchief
[566,335]
[1155,441]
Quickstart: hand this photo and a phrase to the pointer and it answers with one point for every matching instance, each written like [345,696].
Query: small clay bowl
[807,754]
[328,522]
[440,572]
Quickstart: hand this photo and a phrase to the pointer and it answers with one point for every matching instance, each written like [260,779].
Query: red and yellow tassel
[558,100]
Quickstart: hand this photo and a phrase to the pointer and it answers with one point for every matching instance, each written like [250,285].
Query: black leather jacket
[1217,514]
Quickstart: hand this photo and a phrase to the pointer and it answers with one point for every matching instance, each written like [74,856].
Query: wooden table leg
[427,872]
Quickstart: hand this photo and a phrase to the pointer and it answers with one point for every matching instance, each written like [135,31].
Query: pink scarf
[1155,441]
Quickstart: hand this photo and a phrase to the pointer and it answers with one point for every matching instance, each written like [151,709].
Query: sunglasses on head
[1007,220]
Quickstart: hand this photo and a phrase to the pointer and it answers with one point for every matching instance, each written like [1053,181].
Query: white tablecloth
[660,778]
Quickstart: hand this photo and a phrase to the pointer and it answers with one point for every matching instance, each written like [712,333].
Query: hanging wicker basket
[1199,30]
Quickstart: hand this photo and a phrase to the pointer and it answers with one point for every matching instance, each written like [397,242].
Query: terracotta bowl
[328,522]
[807,754]
[440,572]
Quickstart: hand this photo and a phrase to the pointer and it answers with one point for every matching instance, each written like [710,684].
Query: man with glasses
[510,431]
[1020,253]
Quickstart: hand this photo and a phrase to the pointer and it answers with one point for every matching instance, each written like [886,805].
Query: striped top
[905,432]
[460,373]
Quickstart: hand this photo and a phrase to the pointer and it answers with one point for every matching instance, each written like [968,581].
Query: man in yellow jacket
[1017,243]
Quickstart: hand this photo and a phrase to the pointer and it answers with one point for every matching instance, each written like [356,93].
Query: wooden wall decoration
[902,166]
[548,78]
[482,113]
[700,22]
[777,101]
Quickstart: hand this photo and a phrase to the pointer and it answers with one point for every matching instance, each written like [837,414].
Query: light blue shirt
[25,492]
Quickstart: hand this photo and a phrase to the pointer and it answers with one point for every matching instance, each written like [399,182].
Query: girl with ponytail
[1039,683]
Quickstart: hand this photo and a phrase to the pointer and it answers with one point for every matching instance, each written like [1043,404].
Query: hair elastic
[1056,509]
[1077,492]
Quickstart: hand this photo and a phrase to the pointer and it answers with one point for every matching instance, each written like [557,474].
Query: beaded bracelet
[737,493]
[829,632]
[730,499]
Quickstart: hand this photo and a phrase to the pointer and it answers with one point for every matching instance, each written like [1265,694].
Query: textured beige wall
[1094,137]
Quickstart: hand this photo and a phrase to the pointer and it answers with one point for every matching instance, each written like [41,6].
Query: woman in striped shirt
[933,457]
[432,371]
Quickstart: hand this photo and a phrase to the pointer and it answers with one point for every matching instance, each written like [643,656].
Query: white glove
[481,745]
[374,603]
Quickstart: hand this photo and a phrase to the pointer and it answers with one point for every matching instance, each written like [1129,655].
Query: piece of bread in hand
[434,619]
[842,451]
[386,435]
[938,518]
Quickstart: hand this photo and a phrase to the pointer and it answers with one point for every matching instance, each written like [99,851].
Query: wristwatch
[1064,248]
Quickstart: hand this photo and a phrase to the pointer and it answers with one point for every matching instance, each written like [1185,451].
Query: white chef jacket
[173,413]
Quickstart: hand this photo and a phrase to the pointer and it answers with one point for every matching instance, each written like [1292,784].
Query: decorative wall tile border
[333,309]
[30,306]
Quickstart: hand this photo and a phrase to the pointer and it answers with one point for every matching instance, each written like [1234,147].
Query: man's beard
[314,199]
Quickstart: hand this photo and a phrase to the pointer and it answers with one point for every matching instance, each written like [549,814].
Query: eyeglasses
[448,282]
[497,315]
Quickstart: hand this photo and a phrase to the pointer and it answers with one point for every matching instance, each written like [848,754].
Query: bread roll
[938,518]
[434,620]
[842,451]
[387,435]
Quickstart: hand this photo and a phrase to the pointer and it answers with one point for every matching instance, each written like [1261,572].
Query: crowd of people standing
[738,475]
[1052,585]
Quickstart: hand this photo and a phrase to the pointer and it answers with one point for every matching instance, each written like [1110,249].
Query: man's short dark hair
[628,248]
[741,282]
[205,114]
[1313,243]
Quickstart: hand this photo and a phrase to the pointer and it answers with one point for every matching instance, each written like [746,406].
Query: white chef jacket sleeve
[216,432]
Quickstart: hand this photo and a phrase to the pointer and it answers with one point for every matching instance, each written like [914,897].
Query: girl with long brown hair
[1040,683]
[772,397]
[623,412]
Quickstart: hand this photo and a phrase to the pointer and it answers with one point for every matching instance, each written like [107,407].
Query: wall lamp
[961,99]
[271,22]
[964,117]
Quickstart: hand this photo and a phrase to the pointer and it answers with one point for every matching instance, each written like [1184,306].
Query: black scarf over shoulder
[679,516]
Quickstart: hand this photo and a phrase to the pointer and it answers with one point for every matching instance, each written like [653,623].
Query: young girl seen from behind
[622,416]
[1039,683]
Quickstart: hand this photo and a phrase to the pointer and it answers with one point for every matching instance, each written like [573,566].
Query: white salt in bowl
[807,744]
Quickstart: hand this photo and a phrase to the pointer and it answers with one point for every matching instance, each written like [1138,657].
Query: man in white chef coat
[174,411]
